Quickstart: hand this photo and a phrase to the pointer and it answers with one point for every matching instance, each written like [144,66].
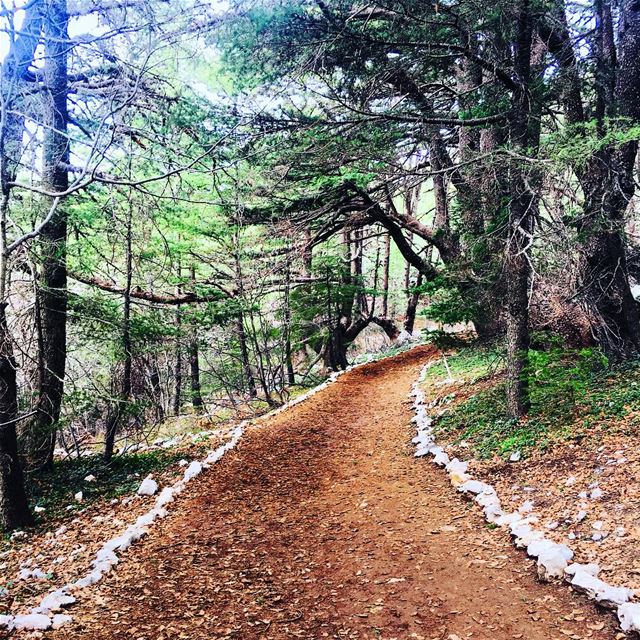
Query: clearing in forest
[321,524]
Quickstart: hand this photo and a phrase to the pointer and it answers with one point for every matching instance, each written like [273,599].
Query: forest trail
[321,524]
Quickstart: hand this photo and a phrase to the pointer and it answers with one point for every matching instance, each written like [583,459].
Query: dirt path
[322,525]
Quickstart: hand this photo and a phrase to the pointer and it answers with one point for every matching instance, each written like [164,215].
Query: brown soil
[321,524]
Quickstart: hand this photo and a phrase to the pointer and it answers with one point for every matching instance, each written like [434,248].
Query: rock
[78,497]
[551,564]
[542,546]
[39,509]
[591,568]
[571,480]
[526,507]
[605,594]
[6,622]
[54,601]
[525,535]
[581,516]
[457,471]
[516,456]
[165,497]
[440,456]
[193,470]
[596,493]
[32,622]
[90,478]
[476,487]
[148,487]
[629,616]
[59,620]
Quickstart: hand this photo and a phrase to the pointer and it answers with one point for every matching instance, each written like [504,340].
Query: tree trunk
[412,306]
[386,260]
[14,506]
[118,406]
[177,370]
[608,185]
[52,278]
[517,267]
[194,366]
[244,357]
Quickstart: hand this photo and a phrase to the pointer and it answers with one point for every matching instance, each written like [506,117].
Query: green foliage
[54,490]
[568,388]
[446,302]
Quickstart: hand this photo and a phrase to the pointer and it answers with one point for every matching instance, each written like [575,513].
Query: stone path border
[553,559]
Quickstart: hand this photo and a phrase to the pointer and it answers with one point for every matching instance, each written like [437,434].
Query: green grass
[572,393]
[54,490]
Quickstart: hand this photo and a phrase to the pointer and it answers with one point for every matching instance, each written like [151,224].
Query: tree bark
[14,506]
[52,277]
[122,396]
[412,306]
[517,267]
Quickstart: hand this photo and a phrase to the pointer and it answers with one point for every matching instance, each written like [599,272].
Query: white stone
[526,507]
[60,620]
[605,594]
[165,497]
[78,497]
[54,601]
[551,564]
[32,622]
[581,516]
[148,487]
[90,478]
[571,480]
[476,487]
[629,616]
[515,456]
[591,568]
[39,509]
[193,470]
[440,456]
[6,622]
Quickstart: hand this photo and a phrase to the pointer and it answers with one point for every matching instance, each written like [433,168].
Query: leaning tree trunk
[52,278]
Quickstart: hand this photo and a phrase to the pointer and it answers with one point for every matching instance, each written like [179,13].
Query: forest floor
[322,524]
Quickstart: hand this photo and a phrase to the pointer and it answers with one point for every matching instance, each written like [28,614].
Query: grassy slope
[573,394]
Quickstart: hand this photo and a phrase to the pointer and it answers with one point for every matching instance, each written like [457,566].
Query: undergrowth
[573,393]
[54,490]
